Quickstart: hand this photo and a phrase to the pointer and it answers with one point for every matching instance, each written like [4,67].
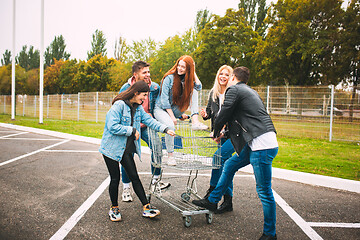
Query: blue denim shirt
[118,128]
[164,101]
[153,94]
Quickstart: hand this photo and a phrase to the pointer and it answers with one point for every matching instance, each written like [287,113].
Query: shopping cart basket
[193,151]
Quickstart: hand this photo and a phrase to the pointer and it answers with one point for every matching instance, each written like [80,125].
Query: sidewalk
[306,178]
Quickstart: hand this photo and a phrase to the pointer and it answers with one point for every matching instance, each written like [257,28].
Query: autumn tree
[142,50]
[56,51]
[51,78]
[98,44]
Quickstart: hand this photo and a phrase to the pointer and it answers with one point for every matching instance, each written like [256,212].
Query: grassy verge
[337,159]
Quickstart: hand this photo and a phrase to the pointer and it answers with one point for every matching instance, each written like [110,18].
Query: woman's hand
[203,113]
[171,132]
[184,116]
[174,120]
[137,135]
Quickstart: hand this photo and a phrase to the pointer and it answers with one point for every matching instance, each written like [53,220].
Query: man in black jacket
[253,135]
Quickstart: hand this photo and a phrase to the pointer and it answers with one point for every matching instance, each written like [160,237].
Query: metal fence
[311,112]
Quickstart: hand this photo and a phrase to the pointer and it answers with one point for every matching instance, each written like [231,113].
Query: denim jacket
[118,128]
[164,101]
[153,94]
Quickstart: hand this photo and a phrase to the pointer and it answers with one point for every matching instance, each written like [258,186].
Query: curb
[290,175]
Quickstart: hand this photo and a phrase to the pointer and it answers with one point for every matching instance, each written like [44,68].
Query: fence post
[4,104]
[61,105]
[24,105]
[78,112]
[47,106]
[331,111]
[35,106]
[97,105]
[268,99]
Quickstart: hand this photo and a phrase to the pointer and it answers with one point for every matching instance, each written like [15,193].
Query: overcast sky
[77,20]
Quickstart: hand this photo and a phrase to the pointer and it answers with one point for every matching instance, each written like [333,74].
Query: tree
[34,58]
[94,75]
[255,13]
[299,47]
[225,40]
[97,45]
[5,79]
[23,58]
[6,60]
[142,50]
[56,50]
[67,80]
[121,50]
[51,78]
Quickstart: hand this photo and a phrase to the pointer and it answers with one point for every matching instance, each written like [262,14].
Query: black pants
[128,164]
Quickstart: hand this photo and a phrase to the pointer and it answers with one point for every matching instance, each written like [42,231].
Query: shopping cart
[193,151]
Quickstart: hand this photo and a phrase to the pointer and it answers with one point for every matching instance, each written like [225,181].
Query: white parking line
[80,212]
[72,151]
[334,225]
[11,135]
[305,226]
[33,139]
[32,153]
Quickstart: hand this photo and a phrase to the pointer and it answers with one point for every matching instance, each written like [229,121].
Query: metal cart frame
[193,151]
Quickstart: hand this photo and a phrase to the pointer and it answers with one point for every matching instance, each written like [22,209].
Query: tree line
[291,42]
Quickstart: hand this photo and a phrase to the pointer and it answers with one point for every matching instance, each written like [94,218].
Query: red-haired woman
[177,87]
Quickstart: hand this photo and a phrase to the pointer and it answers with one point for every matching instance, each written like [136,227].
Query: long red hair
[182,100]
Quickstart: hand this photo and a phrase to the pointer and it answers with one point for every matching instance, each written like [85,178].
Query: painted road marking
[334,225]
[32,153]
[15,134]
[297,218]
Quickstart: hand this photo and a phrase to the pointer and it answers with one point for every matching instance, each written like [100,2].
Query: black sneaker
[267,237]
[205,204]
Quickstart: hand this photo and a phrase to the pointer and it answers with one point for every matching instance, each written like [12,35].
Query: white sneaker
[171,161]
[126,195]
[199,126]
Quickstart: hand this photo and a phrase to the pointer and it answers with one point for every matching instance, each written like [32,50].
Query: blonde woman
[216,99]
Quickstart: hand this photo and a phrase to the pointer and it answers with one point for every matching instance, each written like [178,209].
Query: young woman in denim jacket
[177,87]
[216,99]
[121,139]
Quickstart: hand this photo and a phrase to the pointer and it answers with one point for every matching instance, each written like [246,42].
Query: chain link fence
[311,112]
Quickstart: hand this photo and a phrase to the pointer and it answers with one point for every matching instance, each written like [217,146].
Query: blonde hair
[216,88]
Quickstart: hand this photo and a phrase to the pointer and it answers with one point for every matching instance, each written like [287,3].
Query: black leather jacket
[245,114]
[212,109]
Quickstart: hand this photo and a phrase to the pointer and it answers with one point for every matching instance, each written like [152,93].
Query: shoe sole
[114,220]
[152,216]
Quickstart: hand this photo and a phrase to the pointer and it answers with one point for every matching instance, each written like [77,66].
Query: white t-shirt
[265,141]
[221,99]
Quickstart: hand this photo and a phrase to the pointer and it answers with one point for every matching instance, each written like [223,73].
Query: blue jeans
[261,162]
[155,171]
[226,151]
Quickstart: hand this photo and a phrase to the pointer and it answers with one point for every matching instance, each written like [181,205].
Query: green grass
[337,159]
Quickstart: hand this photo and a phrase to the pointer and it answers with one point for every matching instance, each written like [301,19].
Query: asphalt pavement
[55,186]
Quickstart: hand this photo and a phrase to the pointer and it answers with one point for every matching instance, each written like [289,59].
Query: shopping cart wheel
[185,197]
[209,218]
[187,221]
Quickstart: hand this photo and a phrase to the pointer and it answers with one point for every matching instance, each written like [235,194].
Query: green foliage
[119,73]
[225,40]
[94,75]
[67,80]
[299,47]
[141,50]
[6,60]
[5,80]
[121,50]
[97,45]
[56,51]
[255,13]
